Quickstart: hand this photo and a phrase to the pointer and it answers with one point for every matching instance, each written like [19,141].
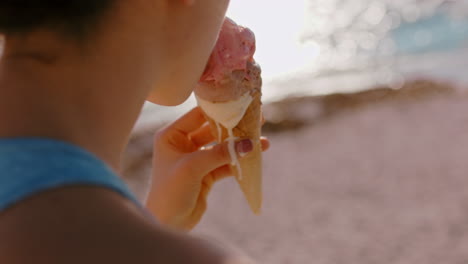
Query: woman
[73,78]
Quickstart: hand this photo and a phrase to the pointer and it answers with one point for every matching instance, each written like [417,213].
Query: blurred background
[367,112]
[310,47]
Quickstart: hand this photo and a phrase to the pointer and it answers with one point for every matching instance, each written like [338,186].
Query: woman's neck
[85,100]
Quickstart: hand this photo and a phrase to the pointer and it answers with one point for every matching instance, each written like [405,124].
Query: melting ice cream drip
[220,132]
[232,151]
[231,147]
[228,114]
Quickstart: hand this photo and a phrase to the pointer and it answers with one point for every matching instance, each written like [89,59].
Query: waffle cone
[250,180]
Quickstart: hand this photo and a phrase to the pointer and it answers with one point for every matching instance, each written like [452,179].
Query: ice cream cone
[229,93]
[250,178]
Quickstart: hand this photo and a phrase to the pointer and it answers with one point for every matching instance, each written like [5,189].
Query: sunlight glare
[278,27]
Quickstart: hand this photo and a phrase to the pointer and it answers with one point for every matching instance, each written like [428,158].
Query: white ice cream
[228,114]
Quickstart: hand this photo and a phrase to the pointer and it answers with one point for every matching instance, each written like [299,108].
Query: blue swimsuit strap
[29,166]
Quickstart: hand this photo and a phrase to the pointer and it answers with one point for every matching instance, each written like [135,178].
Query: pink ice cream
[235,47]
[231,61]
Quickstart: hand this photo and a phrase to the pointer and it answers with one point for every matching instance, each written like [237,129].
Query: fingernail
[244,146]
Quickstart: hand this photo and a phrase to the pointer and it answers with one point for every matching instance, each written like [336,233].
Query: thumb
[204,161]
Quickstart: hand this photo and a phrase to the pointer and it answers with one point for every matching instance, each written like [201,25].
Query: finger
[215,176]
[202,162]
[189,122]
[202,136]
[265,143]
[221,173]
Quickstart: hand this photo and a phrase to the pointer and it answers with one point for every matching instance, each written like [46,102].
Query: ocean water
[309,47]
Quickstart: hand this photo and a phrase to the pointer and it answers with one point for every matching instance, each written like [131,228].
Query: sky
[278,26]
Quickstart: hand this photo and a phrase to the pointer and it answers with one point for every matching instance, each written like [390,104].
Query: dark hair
[74,17]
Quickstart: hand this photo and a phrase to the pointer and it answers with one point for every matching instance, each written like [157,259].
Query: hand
[184,171]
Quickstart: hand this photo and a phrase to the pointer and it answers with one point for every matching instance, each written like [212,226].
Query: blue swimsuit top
[29,166]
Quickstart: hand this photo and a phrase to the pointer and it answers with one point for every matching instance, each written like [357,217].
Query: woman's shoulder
[93,225]
[76,222]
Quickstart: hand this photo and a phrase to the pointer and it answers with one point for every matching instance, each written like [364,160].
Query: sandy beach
[381,179]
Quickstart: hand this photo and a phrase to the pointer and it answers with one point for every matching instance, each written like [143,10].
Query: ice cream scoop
[234,48]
